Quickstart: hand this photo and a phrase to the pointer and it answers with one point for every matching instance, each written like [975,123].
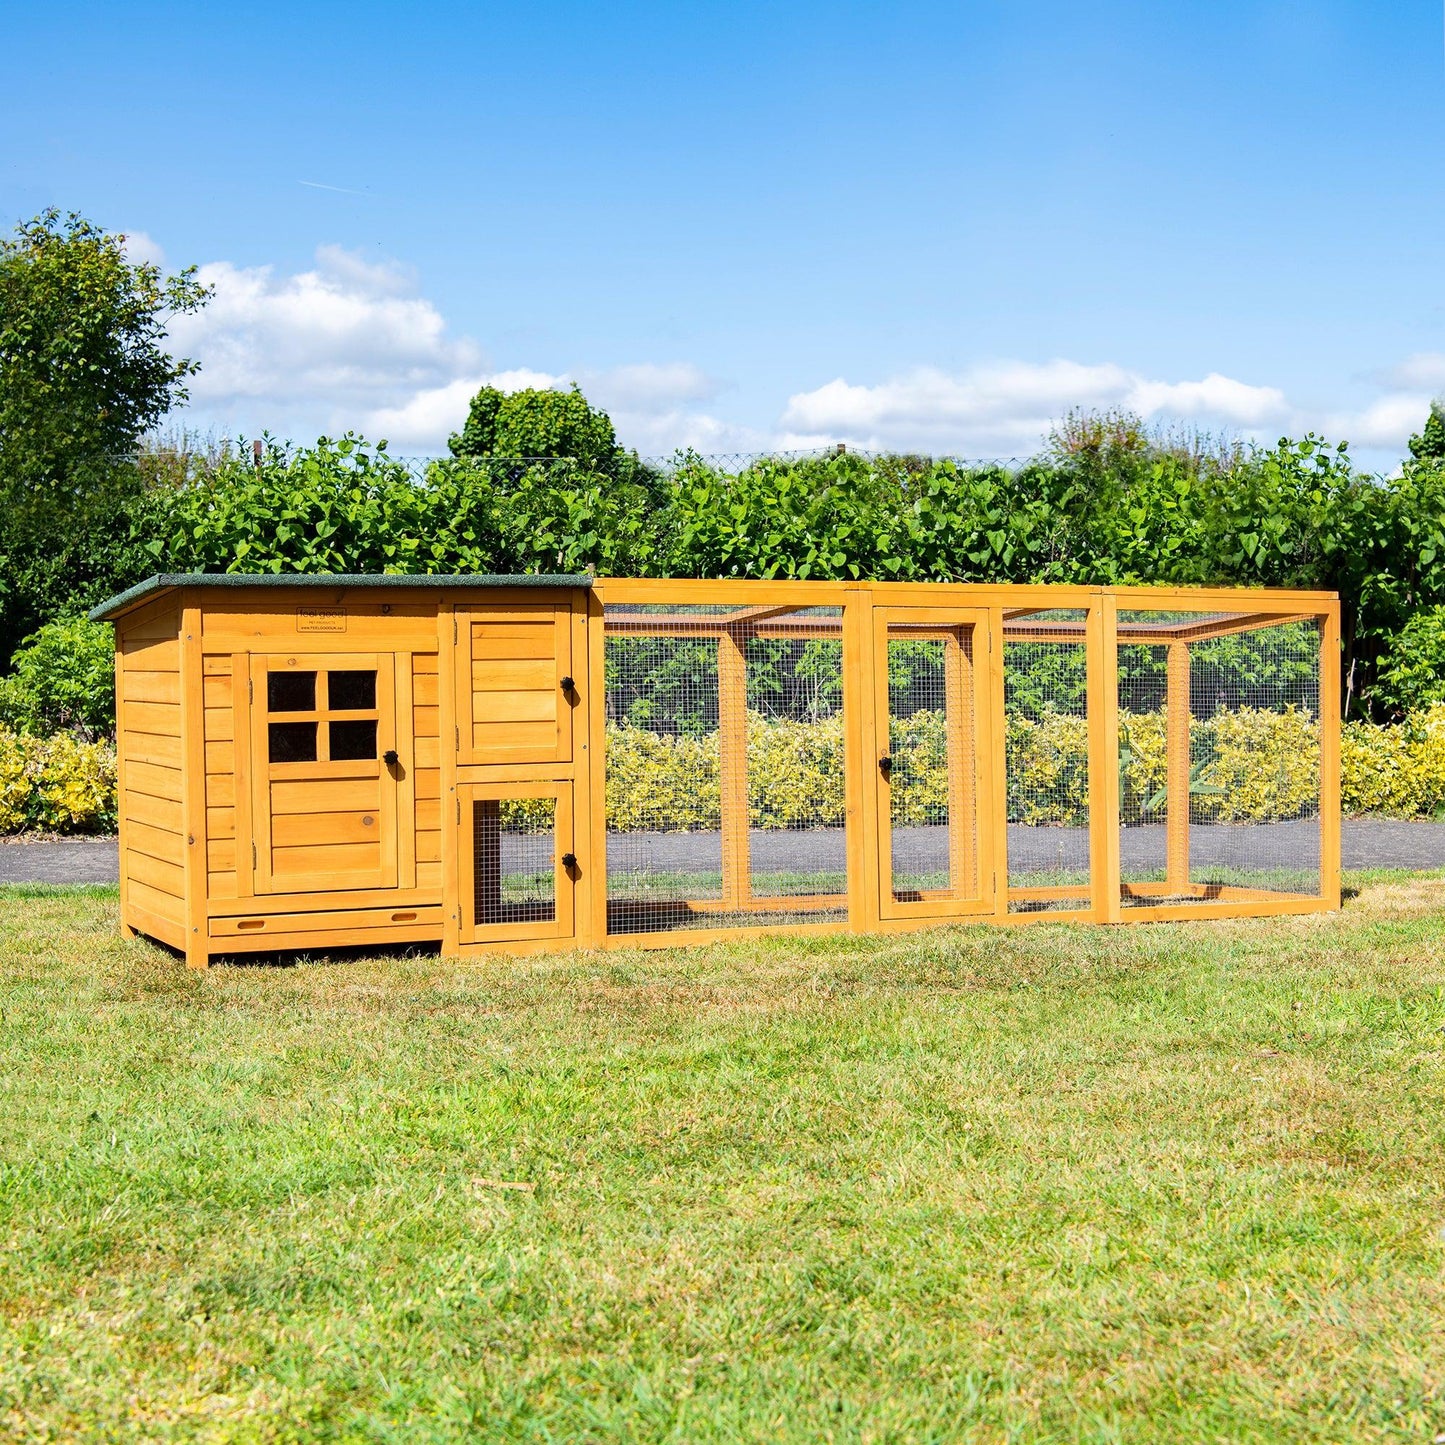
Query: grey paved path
[60,860]
[1367,843]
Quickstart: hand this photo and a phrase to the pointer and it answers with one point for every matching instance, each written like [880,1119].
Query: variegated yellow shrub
[795,772]
[661,781]
[918,747]
[1047,761]
[1265,764]
[14,783]
[1397,770]
[59,784]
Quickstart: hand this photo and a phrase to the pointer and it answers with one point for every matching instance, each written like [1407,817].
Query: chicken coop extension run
[522,763]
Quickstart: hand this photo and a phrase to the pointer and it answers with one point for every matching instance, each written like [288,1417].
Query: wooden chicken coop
[521,763]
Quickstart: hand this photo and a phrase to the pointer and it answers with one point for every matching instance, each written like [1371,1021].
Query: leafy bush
[61,784]
[64,680]
[1412,673]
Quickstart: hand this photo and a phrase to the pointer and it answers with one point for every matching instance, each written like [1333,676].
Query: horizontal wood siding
[148,730]
[426,761]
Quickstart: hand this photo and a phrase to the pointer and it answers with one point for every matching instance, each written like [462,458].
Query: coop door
[929,707]
[515,692]
[324,772]
[518,870]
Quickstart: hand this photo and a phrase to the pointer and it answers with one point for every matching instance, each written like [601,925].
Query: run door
[325,772]
[931,665]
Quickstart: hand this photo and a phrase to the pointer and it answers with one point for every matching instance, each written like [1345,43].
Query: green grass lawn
[1169,1182]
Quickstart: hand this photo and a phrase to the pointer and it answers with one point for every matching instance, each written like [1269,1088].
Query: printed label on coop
[321,619]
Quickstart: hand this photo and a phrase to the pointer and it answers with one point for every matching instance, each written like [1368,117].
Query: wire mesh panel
[1219,766]
[1046,751]
[514,877]
[931,767]
[724,766]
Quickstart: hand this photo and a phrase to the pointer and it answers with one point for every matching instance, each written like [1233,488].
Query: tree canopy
[84,374]
[535,423]
[83,367]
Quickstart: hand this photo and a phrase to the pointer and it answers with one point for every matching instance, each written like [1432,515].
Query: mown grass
[1167,1183]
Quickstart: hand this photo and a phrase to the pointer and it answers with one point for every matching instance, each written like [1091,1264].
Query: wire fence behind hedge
[186,460]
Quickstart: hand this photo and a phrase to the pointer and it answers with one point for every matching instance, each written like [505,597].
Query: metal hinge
[459,737]
[253,855]
[459,810]
[250,689]
[454,629]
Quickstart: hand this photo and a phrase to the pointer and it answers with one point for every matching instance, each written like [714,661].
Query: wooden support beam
[962,789]
[1103,696]
[658,624]
[1228,626]
[1177,766]
[732,679]
[757,614]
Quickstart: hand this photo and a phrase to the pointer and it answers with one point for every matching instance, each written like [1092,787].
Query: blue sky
[914,225]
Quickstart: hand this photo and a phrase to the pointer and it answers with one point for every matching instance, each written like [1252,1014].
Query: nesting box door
[324,772]
[515,693]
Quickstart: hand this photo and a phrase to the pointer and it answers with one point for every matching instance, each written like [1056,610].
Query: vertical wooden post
[455,868]
[732,684]
[860,761]
[962,793]
[997,763]
[1176,743]
[122,794]
[193,789]
[1103,695]
[1330,755]
[580,839]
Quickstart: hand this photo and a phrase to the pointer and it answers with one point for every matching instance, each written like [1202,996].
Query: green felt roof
[112,607]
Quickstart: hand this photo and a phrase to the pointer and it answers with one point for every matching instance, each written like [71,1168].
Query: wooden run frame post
[1330,756]
[1102,630]
[732,674]
[1176,736]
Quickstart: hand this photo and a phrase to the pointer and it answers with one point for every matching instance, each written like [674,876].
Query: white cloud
[323,346]
[1216,398]
[1007,407]
[649,387]
[1384,425]
[1424,371]
[351,343]
[425,420]
[141,250]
